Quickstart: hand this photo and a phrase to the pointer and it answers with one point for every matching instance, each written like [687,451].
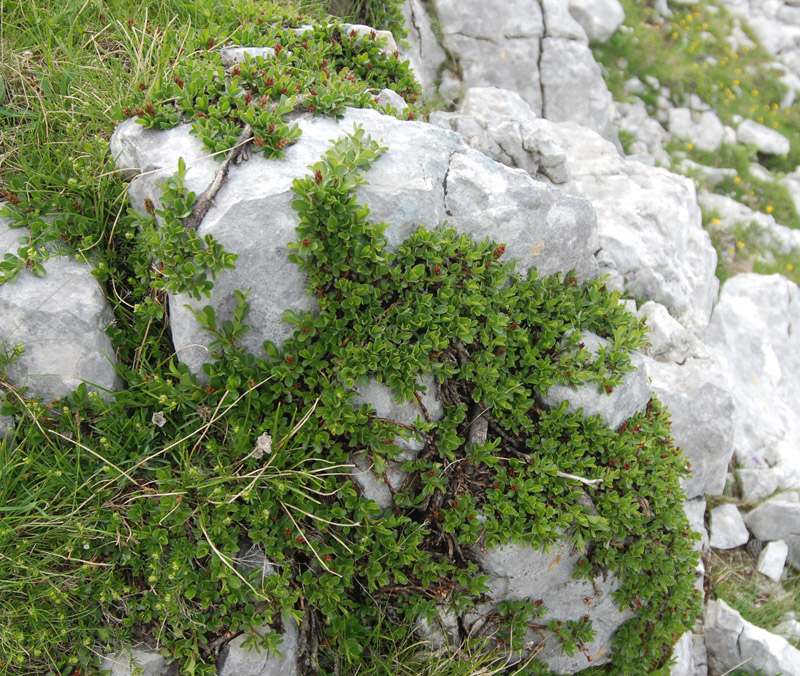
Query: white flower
[263,445]
[158,419]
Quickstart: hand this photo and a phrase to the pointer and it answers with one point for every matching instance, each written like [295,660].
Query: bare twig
[587,482]
[206,200]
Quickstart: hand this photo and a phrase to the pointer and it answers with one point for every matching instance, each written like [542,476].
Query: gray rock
[628,398]
[559,21]
[723,627]
[519,572]
[752,329]
[130,661]
[727,527]
[670,342]
[385,37]
[704,130]
[599,18]
[428,175]
[498,123]
[772,560]
[60,321]
[684,655]
[651,236]
[788,629]
[756,484]
[769,235]
[423,52]
[634,118]
[486,199]
[234,55]
[499,49]
[382,400]
[573,88]
[711,176]
[237,660]
[695,510]
[389,97]
[774,519]
[766,140]
[443,632]
[698,396]
[6,427]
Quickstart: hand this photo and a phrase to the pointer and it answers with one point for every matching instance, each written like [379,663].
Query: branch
[206,200]
[588,482]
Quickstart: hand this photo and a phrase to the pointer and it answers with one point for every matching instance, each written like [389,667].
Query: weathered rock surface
[772,560]
[670,342]
[423,51]
[766,140]
[698,397]
[599,18]
[499,49]
[382,400]
[135,661]
[774,519]
[757,484]
[237,660]
[498,123]
[703,130]
[573,87]
[427,176]
[752,327]
[652,241]
[519,572]
[629,397]
[60,320]
[734,643]
[727,527]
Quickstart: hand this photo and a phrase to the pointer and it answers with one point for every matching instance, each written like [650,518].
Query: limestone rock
[499,49]
[757,484]
[560,22]
[573,88]
[752,328]
[773,559]
[698,397]
[766,140]
[60,320]
[670,342]
[427,176]
[695,510]
[774,519]
[237,660]
[130,661]
[519,572]
[628,398]
[498,123]
[599,18]
[727,528]
[423,52]
[652,240]
[382,400]
[704,130]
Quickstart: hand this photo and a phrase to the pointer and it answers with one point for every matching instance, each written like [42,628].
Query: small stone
[138,661]
[773,559]
[727,528]
[599,18]
[756,484]
[237,660]
[774,519]
[766,140]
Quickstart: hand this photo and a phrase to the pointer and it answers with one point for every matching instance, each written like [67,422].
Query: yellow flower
[730,251]
[740,244]
[736,179]
[769,209]
[689,146]
[694,65]
[789,267]
[736,83]
[755,92]
[715,221]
